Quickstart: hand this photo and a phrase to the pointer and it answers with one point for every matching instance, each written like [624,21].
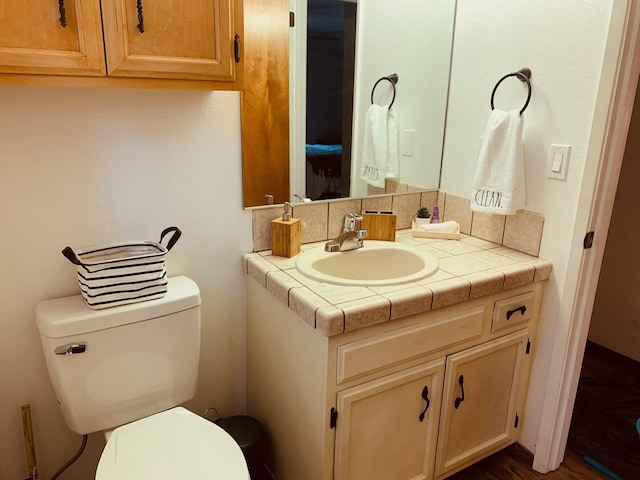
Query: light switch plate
[408,138]
[558,161]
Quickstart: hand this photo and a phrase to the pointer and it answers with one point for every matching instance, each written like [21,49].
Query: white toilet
[129,367]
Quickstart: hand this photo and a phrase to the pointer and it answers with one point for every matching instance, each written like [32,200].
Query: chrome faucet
[351,236]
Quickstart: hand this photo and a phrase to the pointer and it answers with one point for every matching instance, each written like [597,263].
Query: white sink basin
[377,263]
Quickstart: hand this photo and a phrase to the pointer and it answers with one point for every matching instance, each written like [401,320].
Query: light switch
[556,165]
[407,140]
[558,162]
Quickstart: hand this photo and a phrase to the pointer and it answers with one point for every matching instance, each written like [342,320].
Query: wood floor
[607,407]
[514,463]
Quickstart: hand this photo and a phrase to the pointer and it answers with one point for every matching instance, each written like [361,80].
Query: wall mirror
[412,40]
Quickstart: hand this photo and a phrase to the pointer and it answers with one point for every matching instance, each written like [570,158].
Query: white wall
[83,167]
[563,44]
[615,321]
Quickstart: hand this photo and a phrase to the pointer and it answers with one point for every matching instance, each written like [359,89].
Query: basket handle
[174,238]
[71,256]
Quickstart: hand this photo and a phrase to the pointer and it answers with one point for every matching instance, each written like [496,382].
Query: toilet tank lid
[63,317]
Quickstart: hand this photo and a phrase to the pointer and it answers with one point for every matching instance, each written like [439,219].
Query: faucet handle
[352,222]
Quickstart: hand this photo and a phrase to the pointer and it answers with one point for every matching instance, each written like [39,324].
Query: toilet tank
[113,366]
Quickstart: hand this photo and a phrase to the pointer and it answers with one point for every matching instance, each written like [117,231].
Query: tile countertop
[470,268]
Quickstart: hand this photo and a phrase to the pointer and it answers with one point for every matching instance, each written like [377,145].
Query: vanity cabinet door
[51,37]
[384,429]
[170,39]
[480,400]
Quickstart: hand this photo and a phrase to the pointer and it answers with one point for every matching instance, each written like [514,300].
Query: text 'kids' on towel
[380,146]
[499,185]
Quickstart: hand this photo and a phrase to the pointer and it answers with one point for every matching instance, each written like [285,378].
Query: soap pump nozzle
[286,216]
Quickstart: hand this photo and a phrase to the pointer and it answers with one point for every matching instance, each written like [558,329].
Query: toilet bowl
[174,444]
[124,371]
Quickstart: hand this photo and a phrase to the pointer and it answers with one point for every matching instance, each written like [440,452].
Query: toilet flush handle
[71,349]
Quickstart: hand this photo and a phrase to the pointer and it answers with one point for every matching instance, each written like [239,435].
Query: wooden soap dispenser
[285,234]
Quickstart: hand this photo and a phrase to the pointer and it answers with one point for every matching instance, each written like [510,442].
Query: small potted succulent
[422,216]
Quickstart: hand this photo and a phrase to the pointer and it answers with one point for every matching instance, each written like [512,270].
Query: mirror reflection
[331,93]
[330,60]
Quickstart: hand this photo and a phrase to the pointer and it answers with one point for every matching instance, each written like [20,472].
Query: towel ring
[524,75]
[393,79]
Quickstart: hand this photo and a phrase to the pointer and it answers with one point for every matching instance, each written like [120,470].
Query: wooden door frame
[612,115]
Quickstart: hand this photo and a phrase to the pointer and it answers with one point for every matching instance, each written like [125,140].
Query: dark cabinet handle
[236,48]
[63,13]
[140,17]
[459,400]
[425,396]
[521,309]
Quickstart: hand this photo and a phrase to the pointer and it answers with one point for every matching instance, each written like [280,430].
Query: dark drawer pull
[521,309]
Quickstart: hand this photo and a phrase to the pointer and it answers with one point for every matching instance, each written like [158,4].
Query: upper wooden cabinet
[51,37]
[169,39]
[143,39]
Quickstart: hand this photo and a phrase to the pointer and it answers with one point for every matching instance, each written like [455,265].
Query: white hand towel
[380,146]
[499,185]
[445,227]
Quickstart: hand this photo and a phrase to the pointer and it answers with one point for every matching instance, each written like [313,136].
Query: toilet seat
[171,445]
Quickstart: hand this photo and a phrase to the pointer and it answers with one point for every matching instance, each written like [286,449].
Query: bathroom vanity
[346,393]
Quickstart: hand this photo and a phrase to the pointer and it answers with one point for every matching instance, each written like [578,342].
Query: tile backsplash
[321,220]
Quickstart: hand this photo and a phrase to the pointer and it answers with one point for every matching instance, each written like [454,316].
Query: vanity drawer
[370,354]
[513,310]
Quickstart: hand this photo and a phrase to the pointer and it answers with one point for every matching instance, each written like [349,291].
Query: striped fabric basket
[124,273]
